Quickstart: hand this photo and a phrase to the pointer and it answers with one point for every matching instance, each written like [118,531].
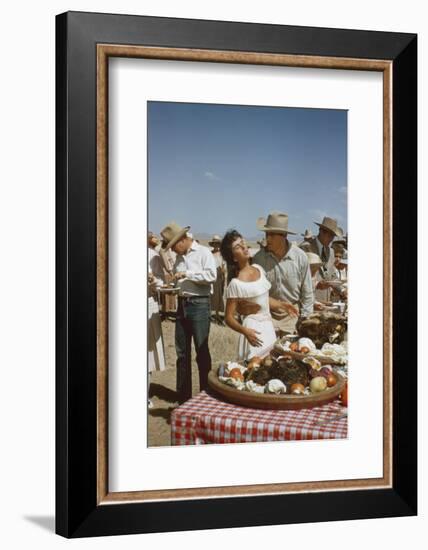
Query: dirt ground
[223,346]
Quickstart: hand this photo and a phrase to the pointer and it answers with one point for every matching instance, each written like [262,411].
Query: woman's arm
[249,333]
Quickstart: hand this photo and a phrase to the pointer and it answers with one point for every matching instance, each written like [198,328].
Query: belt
[190,298]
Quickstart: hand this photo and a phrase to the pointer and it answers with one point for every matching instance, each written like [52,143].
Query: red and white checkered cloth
[205,419]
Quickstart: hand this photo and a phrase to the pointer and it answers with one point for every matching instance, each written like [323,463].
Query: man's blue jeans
[193,321]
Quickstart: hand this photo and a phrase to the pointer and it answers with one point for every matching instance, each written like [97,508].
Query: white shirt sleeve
[307,294]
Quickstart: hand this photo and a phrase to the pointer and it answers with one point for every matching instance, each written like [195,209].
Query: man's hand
[179,275]
[246,307]
[323,285]
[275,305]
[289,308]
[281,306]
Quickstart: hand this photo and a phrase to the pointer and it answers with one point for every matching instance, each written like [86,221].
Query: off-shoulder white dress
[257,292]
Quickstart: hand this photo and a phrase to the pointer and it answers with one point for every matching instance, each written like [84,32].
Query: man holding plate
[321,245]
[194,272]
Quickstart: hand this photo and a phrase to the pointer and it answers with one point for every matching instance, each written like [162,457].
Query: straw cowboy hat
[215,240]
[313,259]
[329,224]
[277,222]
[172,233]
[307,234]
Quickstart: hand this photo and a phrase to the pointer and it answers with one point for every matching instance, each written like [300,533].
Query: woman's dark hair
[226,252]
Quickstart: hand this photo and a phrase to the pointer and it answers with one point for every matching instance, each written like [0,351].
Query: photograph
[247,273]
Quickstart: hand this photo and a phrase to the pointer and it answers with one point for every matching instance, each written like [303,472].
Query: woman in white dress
[248,282]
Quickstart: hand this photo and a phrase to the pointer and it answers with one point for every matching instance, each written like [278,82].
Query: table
[206,419]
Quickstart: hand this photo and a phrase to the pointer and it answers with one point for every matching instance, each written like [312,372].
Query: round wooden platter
[269,401]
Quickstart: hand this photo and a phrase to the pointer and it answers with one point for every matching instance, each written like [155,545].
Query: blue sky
[215,167]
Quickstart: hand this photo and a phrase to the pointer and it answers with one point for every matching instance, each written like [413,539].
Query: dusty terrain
[223,346]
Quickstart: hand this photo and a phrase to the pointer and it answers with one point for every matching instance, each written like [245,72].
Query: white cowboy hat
[313,259]
[215,240]
[277,222]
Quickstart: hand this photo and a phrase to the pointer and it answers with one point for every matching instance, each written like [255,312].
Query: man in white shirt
[194,272]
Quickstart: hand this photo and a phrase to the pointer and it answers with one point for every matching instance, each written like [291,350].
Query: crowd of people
[261,294]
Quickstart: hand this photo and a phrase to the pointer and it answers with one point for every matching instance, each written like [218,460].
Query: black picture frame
[77,511]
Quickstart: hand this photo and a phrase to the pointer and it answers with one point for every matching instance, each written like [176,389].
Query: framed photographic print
[236,330]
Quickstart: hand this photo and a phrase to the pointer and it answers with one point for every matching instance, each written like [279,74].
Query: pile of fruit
[282,375]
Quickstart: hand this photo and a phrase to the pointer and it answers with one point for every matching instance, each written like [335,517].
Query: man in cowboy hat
[287,269]
[321,245]
[307,236]
[194,272]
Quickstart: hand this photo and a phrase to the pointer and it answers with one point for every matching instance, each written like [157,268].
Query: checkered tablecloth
[206,419]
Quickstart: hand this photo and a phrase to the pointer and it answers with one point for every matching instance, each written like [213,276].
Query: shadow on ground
[162,413]
[45,522]
[164,393]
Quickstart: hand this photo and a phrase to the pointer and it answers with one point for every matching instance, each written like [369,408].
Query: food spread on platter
[282,375]
[336,354]
[323,327]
